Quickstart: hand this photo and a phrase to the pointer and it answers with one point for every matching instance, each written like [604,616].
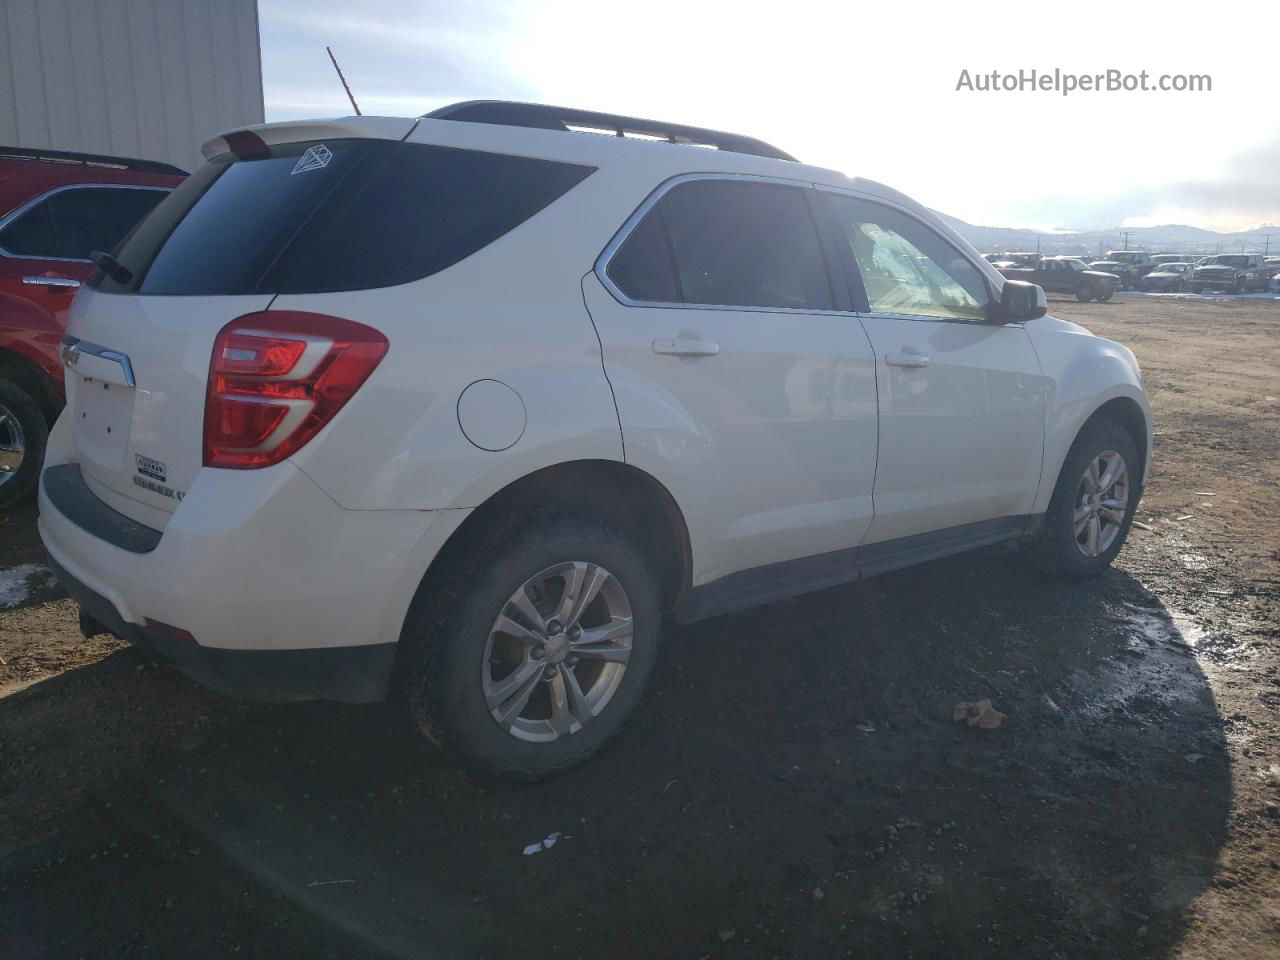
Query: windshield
[1228,261]
[1077,264]
[1122,256]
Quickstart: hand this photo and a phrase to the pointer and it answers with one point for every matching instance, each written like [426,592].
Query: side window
[30,235]
[97,218]
[729,243]
[70,224]
[906,267]
[642,268]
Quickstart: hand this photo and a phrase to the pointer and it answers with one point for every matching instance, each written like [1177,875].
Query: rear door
[738,381]
[961,400]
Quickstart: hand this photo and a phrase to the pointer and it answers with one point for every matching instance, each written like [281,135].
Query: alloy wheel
[556,654]
[1102,501]
[12,445]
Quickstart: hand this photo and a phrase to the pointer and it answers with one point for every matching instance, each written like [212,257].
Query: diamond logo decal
[316,158]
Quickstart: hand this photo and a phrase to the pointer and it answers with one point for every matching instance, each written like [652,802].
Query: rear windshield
[339,215]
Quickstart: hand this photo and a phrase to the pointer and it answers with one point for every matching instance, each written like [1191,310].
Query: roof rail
[514,114]
[90,159]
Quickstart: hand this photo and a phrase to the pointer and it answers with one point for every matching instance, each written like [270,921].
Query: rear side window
[72,223]
[31,234]
[342,215]
[726,243]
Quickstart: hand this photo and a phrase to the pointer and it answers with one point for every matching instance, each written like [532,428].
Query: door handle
[686,347]
[58,283]
[906,359]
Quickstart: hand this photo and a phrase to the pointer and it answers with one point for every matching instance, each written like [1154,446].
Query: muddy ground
[795,785]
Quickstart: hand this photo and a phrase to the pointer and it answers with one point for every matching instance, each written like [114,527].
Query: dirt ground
[794,786]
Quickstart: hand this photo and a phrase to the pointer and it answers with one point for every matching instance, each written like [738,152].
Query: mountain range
[1170,238]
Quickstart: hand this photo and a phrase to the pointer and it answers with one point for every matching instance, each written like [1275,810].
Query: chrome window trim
[601,267]
[17,212]
[922,317]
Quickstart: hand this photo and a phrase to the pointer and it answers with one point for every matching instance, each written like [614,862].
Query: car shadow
[794,785]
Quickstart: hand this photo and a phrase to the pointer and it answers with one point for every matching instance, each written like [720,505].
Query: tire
[1084,294]
[1238,287]
[1059,548]
[1180,286]
[1196,288]
[1106,293]
[23,436]
[456,663]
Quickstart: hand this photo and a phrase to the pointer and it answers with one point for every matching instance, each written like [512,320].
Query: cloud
[1249,186]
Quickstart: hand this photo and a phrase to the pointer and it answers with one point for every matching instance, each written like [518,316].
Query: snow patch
[18,583]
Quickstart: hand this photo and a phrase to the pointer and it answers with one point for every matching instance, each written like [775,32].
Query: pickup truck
[1232,272]
[1129,265]
[1067,275]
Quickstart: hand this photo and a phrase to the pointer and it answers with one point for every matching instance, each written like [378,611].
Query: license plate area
[103,419]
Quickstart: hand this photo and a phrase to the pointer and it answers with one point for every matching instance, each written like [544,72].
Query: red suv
[55,210]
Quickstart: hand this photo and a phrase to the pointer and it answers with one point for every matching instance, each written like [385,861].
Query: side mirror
[1019,301]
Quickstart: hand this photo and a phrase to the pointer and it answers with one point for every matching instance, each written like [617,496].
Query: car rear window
[339,215]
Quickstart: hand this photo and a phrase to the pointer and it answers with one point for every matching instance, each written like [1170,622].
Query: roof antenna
[355,106]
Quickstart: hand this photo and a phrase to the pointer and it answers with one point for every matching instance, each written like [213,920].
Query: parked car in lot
[1067,275]
[1019,259]
[465,406]
[55,208]
[1129,265]
[1231,273]
[1168,278]
[1159,259]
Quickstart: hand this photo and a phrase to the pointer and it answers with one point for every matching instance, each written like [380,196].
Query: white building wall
[151,79]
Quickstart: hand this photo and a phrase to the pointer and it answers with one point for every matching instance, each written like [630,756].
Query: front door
[961,399]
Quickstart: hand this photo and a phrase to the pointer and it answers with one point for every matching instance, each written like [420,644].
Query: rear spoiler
[256,141]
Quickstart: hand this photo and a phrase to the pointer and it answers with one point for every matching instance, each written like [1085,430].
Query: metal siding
[138,78]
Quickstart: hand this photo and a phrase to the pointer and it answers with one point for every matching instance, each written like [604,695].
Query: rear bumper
[286,594]
[349,674]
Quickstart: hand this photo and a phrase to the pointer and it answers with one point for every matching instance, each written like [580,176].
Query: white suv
[463,407]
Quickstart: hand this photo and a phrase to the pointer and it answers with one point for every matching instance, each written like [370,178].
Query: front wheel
[1093,503]
[552,635]
[1105,293]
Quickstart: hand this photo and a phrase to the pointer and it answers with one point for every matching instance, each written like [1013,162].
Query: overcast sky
[869,90]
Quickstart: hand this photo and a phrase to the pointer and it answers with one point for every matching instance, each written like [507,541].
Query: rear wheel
[1084,293]
[23,434]
[1093,503]
[551,639]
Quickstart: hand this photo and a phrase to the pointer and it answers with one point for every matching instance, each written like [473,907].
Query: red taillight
[276,378]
